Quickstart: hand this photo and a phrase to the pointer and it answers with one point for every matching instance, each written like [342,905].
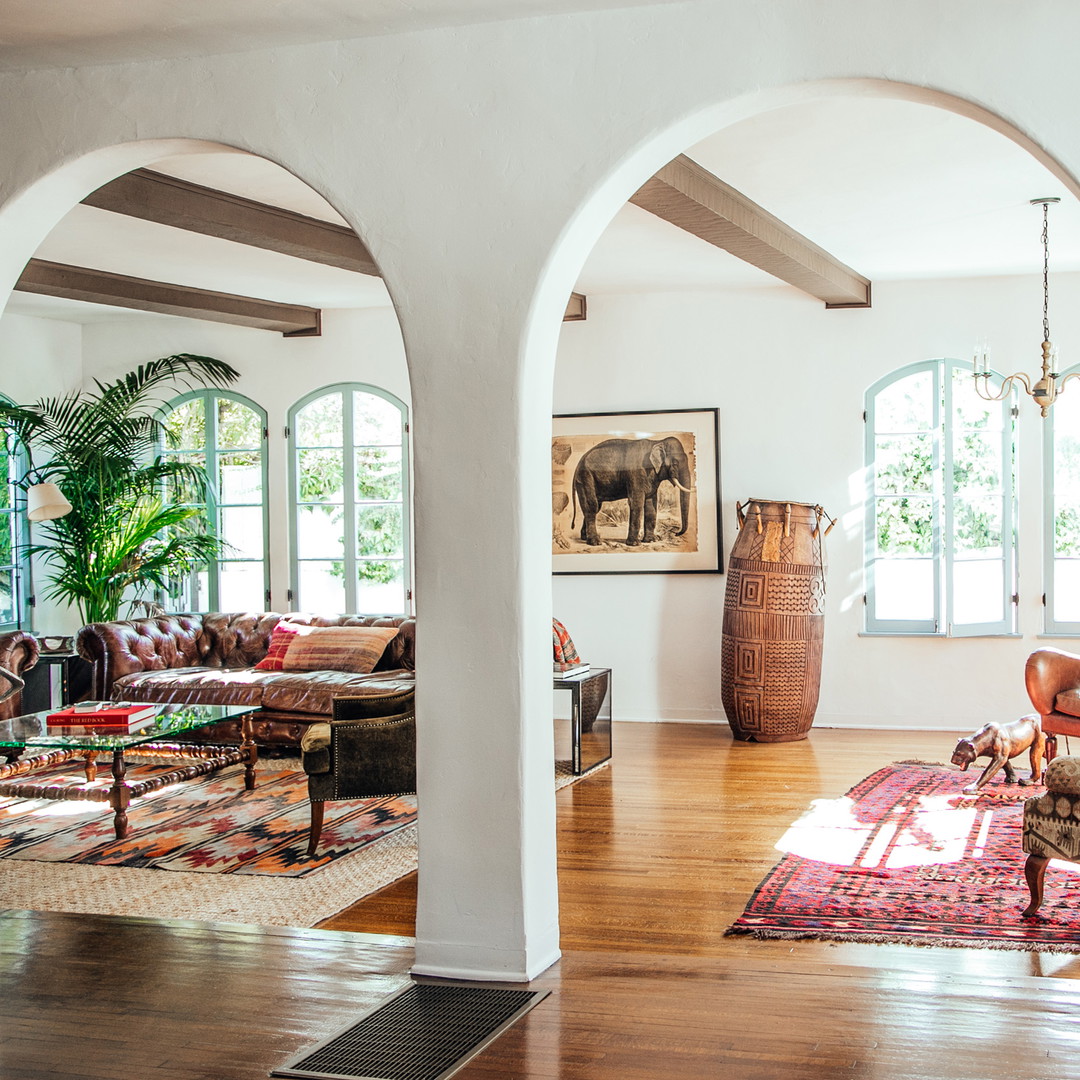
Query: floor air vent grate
[424,1032]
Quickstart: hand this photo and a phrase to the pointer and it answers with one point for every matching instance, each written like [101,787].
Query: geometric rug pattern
[906,857]
[207,825]
[252,899]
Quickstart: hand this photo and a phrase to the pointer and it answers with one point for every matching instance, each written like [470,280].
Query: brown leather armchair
[18,653]
[1052,677]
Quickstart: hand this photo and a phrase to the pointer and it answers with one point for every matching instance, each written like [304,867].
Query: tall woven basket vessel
[774,620]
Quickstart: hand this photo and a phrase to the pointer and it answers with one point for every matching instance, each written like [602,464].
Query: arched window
[940,517]
[1061,531]
[226,434]
[350,520]
[14,538]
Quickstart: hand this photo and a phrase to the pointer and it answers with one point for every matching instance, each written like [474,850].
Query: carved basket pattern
[771,647]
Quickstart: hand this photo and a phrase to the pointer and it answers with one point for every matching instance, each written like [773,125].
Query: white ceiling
[894,189]
[72,33]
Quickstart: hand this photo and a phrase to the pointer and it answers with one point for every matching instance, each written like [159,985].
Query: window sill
[944,637]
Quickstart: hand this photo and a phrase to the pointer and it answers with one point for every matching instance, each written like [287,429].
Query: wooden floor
[658,854]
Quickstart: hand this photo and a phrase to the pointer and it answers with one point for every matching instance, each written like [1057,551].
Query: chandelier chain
[1046,273]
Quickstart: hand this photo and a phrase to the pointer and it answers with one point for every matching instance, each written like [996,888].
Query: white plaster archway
[472,154]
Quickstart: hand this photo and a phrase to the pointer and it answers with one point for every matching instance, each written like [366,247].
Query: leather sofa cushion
[194,685]
[1068,702]
[311,692]
[314,691]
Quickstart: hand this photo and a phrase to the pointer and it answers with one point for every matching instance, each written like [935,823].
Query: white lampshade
[45,502]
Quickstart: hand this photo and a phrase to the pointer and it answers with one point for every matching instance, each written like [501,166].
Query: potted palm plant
[128,530]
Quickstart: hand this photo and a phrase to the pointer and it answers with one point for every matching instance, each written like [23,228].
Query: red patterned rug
[208,825]
[905,857]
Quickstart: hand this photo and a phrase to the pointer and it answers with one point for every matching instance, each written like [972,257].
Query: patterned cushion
[280,640]
[1063,776]
[1052,826]
[355,649]
[565,653]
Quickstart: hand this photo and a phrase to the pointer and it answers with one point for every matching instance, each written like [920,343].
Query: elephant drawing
[630,469]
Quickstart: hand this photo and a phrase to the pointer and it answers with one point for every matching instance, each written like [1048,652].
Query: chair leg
[1034,873]
[1051,749]
[317,810]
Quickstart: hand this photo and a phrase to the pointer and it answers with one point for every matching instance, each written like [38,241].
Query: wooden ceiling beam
[689,196]
[117,290]
[577,310]
[181,204]
[168,200]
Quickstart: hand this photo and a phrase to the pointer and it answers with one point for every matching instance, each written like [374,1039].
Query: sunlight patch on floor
[928,833]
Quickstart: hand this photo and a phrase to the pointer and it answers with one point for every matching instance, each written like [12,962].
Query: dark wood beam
[689,196]
[116,290]
[168,200]
[577,310]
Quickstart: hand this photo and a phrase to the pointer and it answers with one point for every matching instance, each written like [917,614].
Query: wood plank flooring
[658,854]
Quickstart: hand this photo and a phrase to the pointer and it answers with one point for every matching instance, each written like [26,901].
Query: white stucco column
[488,905]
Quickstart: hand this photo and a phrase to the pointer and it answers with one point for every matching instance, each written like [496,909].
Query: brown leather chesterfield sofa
[210,659]
[18,654]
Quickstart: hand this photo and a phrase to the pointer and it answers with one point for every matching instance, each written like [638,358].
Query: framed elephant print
[636,493]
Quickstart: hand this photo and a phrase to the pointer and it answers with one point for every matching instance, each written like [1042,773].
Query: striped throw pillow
[355,649]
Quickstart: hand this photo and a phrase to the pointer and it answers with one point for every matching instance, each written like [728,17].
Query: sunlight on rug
[906,857]
[258,898]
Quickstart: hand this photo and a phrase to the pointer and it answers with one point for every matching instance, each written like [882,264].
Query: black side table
[56,680]
[590,717]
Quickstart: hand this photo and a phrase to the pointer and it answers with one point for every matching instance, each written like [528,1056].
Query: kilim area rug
[364,847]
[906,857]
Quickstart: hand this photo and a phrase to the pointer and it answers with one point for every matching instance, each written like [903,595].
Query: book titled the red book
[119,715]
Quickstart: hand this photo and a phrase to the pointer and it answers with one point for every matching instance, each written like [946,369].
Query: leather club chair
[1052,678]
[367,751]
[18,654]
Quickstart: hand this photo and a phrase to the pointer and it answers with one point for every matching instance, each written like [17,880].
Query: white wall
[789,379]
[38,358]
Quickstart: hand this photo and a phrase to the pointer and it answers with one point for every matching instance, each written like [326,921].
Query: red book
[119,715]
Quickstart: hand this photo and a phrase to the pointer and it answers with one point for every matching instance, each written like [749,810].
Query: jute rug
[263,900]
[906,857]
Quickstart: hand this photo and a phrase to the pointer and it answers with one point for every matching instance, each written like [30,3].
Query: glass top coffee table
[30,745]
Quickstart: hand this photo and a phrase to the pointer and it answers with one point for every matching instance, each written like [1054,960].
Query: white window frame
[209,397]
[943,557]
[14,515]
[350,560]
[1051,623]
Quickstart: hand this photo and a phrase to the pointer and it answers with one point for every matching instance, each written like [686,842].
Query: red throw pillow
[280,639]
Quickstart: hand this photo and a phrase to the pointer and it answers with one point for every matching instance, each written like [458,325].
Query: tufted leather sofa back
[214,639]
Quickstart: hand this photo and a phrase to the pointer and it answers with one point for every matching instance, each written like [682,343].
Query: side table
[56,680]
[590,717]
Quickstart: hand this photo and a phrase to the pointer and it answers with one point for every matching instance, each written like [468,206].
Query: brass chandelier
[1046,391]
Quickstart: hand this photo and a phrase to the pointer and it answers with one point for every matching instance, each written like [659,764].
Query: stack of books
[109,717]
[566,670]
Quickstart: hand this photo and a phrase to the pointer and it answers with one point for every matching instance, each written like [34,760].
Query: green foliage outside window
[378,482]
[905,478]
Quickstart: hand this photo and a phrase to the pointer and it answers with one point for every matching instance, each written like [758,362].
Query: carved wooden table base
[207,759]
